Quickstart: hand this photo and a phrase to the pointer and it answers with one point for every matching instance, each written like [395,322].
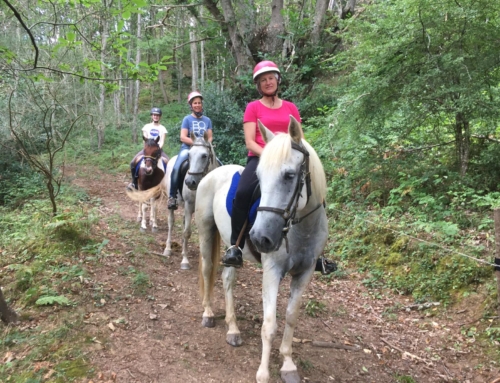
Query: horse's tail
[215,264]
[145,195]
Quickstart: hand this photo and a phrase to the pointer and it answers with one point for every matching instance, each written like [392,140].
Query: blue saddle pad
[231,194]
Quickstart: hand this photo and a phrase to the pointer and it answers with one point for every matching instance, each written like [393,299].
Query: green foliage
[51,300]
[227,120]
[390,255]
[493,333]
[141,282]
[314,308]
[18,181]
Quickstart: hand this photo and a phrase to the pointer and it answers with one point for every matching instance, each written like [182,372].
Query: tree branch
[32,38]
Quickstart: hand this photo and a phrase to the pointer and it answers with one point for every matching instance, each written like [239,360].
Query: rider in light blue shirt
[197,123]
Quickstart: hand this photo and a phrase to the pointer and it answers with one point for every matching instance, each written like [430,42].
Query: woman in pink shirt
[274,113]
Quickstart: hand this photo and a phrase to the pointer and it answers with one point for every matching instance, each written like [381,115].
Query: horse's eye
[289,176]
[204,156]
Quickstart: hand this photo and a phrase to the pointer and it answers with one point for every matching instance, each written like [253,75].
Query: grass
[44,266]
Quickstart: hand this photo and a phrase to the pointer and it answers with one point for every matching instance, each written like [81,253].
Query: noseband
[288,214]
[204,172]
[154,159]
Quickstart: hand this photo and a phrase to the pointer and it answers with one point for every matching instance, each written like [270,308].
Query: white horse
[293,190]
[202,160]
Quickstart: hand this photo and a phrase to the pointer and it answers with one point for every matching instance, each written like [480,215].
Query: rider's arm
[209,134]
[163,138]
[184,137]
[145,131]
[249,129]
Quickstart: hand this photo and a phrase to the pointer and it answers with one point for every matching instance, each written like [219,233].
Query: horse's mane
[279,149]
[202,141]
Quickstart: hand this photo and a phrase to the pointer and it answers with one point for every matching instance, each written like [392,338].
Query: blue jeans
[174,177]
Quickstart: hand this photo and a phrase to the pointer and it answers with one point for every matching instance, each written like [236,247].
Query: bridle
[288,214]
[154,159]
[204,172]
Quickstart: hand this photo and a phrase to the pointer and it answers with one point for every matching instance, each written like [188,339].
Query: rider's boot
[172,203]
[234,255]
[133,185]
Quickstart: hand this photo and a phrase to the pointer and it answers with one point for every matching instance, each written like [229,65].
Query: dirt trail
[158,337]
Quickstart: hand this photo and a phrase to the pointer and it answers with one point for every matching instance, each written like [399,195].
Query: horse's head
[152,153]
[288,170]
[201,161]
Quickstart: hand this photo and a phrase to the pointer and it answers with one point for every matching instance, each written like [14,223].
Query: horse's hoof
[143,230]
[185,266]
[208,322]
[139,219]
[290,376]
[167,253]
[154,230]
[234,340]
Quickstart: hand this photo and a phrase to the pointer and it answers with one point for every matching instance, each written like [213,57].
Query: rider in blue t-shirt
[197,123]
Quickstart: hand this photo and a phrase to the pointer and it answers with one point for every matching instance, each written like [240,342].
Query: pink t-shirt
[276,120]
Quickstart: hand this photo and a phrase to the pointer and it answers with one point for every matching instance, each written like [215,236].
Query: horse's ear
[157,139]
[266,134]
[144,139]
[205,135]
[294,129]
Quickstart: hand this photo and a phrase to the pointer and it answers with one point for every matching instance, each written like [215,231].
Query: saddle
[252,214]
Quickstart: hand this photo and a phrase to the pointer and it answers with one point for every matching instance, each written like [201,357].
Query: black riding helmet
[155,111]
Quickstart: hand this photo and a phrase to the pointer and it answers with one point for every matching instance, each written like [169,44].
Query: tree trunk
[202,66]
[319,17]
[245,12]
[102,89]
[202,61]
[194,56]
[137,82]
[273,39]
[462,144]
[162,84]
[241,52]
[348,9]
[7,315]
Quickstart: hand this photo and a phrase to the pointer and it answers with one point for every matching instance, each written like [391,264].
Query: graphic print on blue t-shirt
[199,127]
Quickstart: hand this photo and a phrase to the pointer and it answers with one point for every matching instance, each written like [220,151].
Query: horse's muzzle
[192,182]
[267,234]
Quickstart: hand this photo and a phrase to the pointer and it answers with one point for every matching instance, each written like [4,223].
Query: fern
[50,300]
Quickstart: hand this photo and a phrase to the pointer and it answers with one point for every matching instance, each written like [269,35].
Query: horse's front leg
[144,206]
[168,245]
[289,373]
[270,285]
[152,218]
[233,336]
[186,234]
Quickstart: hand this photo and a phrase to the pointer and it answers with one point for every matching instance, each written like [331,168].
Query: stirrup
[327,266]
